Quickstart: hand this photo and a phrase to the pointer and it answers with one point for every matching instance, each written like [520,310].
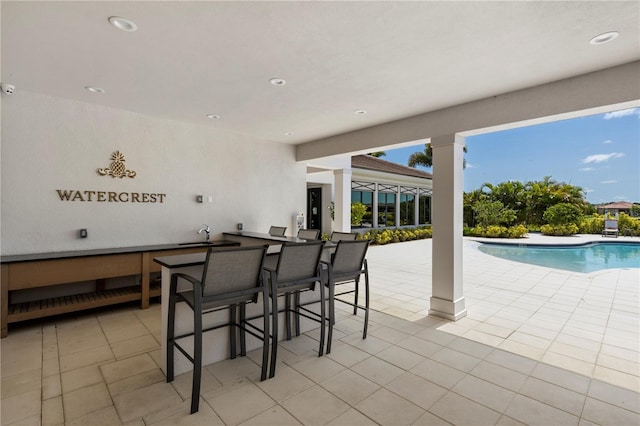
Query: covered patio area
[221,110]
[538,346]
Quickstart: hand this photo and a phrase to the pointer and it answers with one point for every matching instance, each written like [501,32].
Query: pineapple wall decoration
[117,167]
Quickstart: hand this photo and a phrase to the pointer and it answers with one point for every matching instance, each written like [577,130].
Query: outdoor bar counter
[215,343]
[40,270]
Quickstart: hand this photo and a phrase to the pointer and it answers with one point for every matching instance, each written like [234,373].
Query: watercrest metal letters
[115,169]
[110,196]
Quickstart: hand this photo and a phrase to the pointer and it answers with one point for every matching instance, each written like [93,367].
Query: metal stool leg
[265,336]
[366,298]
[197,358]
[171,319]
[233,315]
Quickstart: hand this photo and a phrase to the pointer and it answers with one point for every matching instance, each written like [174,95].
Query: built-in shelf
[65,304]
[59,269]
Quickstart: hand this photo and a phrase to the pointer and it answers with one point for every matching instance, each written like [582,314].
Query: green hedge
[495,231]
[594,224]
[628,225]
[559,230]
[388,236]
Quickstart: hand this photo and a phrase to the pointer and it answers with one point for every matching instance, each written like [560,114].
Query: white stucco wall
[51,143]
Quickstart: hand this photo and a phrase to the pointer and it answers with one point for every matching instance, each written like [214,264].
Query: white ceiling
[392,59]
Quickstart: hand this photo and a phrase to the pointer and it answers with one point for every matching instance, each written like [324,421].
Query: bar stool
[297,270]
[277,231]
[309,234]
[343,236]
[231,277]
[347,265]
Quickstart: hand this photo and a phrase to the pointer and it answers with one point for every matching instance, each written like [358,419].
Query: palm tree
[529,200]
[425,158]
[540,195]
[377,154]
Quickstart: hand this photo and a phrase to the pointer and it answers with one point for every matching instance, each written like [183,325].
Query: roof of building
[618,205]
[373,163]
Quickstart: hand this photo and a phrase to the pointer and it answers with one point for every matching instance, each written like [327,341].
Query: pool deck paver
[575,321]
[538,346]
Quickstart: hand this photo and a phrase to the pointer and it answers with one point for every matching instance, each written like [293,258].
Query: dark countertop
[107,251]
[195,259]
[181,260]
[264,236]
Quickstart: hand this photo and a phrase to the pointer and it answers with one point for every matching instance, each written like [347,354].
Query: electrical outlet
[240,227]
[83,233]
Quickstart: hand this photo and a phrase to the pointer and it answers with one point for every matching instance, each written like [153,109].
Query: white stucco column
[342,200]
[397,215]
[416,208]
[326,213]
[447,300]
[374,212]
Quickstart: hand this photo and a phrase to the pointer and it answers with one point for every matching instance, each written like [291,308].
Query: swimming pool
[588,257]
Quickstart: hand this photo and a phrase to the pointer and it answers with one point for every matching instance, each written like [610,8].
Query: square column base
[447,309]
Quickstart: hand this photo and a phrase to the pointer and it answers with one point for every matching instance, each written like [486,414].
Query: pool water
[583,258]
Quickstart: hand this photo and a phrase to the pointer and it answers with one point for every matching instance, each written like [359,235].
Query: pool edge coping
[476,243]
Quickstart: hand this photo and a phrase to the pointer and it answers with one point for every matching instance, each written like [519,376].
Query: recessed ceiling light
[123,24]
[94,89]
[213,116]
[604,38]
[288,134]
[360,112]
[277,82]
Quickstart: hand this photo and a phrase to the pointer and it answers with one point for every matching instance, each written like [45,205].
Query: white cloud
[619,197]
[587,169]
[470,166]
[609,181]
[588,190]
[608,141]
[599,158]
[622,113]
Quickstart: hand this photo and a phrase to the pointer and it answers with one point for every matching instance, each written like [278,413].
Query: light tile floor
[538,346]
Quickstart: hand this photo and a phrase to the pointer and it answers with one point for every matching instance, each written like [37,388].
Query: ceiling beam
[592,93]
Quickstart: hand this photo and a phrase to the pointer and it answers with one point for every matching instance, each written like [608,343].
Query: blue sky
[599,153]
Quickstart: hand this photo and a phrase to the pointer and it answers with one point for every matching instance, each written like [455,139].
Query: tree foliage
[528,200]
[358,210]
[493,213]
[562,214]
[425,158]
